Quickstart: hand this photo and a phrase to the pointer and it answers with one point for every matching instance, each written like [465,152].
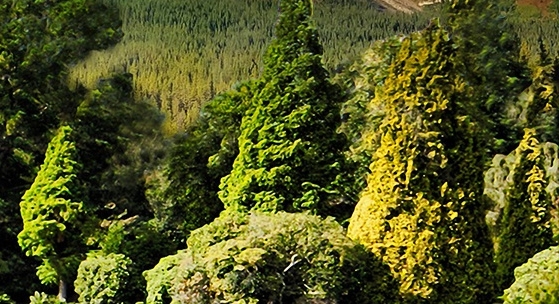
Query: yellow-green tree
[51,210]
[422,211]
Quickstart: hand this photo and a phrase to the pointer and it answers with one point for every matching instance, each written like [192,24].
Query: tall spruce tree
[289,152]
[51,210]
[422,211]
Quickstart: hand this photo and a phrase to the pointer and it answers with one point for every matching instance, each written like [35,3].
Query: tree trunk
[62,291]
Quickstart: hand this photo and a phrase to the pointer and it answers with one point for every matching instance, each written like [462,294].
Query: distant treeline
[182,53]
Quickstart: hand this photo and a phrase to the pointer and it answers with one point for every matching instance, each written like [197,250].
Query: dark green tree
[183,195]
[38,40]
[52,211]
[486,41]
[525,225]
[118,141]
[423,211]
[290,155]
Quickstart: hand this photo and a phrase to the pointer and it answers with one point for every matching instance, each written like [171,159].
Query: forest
[290,151]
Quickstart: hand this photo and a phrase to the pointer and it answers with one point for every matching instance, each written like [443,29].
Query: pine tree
[289,152]
[422,211]
[51,210]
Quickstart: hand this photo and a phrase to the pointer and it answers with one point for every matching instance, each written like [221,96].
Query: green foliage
[184,195]
[11,260]
[38,40]
[537,280]
[5,299]
[270,258]
[289,152]
[524,225]
[118,142]
[51,210]
[101,278]
[489,45]
[359,116]
[137,241]
[43,298]
[422,211]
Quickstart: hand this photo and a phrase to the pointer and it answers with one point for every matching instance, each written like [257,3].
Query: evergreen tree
[289,152]
[52,211]
[525,223]
[487,42]
[184,194]
[422,211]
[359,116]
[522,186]
[38,40]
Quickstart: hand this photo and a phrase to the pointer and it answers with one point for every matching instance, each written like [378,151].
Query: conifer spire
[289,151]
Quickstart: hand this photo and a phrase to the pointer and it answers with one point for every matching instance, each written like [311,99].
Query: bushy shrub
[537,281]
[101,278]
[43,298]
[270,258]
[136,243]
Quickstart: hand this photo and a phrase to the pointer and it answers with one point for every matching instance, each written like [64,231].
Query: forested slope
[182,53]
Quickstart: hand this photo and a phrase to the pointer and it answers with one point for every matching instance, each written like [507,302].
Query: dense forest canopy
[289,151]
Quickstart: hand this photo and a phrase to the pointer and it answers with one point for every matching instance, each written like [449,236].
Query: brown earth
[541,5]
[410,6]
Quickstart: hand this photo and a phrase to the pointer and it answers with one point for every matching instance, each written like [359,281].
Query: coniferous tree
[486,40]
[38,40]
[184,194]
[422,211]
[52,210]
[525,225]
[289,152]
